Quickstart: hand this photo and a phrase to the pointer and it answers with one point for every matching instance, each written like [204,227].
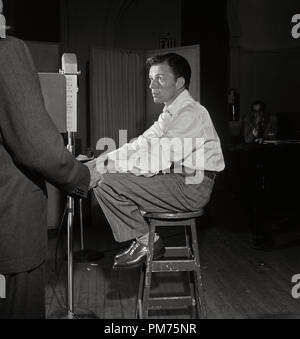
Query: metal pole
[70,244]
[70,258]
[81,224]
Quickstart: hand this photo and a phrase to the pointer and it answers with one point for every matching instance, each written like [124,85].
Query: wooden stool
[173,262]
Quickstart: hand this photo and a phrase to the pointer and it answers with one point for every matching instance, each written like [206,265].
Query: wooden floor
[240,282]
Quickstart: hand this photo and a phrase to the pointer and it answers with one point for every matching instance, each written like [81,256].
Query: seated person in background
[259,125]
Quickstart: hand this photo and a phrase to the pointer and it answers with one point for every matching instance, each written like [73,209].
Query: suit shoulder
[12,41]
[10,46]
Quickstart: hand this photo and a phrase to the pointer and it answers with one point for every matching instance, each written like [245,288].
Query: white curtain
[117,94]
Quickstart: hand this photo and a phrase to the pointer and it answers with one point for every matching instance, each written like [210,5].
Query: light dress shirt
[183,138]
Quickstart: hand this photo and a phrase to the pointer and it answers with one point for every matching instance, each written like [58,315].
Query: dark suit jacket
[32,151]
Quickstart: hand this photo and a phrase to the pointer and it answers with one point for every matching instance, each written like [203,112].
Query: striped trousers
[122,197]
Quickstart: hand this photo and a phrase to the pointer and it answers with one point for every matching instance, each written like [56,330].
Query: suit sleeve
[28,131]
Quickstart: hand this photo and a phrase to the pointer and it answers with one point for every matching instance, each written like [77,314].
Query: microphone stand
[74,256]
[71,213]
[69,69]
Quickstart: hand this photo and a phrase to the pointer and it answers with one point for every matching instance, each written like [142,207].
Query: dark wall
[205,23]
[33,19]
[264,54]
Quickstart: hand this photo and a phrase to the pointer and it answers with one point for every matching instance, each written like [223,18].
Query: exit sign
[167,42]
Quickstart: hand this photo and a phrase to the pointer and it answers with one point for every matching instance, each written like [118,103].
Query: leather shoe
[138,255]
[121,254]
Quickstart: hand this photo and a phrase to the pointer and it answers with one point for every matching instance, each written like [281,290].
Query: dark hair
[178,64]
[260,103]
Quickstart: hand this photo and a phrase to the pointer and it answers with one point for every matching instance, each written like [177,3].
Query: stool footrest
[171,302]
[177,252]
[174,266]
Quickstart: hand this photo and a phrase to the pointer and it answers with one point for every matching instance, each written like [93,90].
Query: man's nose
[153,84]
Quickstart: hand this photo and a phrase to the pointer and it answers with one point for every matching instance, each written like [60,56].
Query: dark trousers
[25,295]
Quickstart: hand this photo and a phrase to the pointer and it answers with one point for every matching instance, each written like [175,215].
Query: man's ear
[180,83]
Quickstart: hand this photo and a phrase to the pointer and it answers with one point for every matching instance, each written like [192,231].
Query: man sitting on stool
[142,177]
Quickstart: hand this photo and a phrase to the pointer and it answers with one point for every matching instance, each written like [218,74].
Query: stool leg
[199,282]
[191,274]
[188,240]
[148,275]
[81,225]
[139,305]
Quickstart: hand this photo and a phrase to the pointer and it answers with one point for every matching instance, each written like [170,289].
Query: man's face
[258,108]
[163,84]
[1,6]
[258,112]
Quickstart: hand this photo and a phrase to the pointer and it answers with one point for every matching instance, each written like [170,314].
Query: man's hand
[96,177]
[255,132]
[259,141]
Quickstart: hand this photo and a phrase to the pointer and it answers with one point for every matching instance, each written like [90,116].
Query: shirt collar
[177,103]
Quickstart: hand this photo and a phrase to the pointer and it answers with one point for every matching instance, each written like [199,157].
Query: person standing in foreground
[170,168]
[31,152]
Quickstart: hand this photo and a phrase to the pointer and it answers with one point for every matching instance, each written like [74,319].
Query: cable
[58,238]
[60,300]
